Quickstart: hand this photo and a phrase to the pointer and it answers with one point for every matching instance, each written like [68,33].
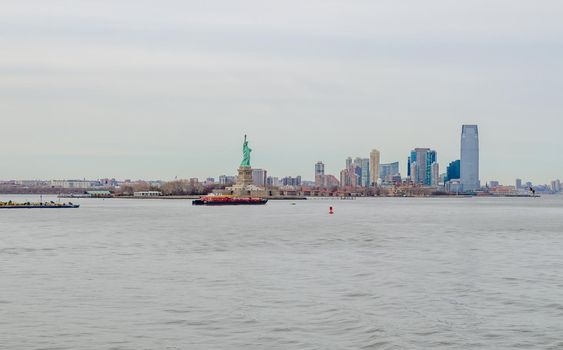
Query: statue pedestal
[244,181]
[244,186]
[244,176]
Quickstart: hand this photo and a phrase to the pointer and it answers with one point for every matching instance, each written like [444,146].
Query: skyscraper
[431,159]
[435,174]
[362,170]
[374,158]
[452,172]
[365,172]
[319,173]
[420,165]
[469,165]
[319,169]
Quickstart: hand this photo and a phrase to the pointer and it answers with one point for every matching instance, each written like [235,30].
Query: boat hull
[39,206]
[229,201]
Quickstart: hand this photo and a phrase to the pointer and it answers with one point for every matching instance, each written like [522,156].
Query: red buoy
[330,211]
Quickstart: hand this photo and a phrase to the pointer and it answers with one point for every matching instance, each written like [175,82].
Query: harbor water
[381,273]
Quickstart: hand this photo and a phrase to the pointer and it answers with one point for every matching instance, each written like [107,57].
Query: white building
[71,184]
[147,194]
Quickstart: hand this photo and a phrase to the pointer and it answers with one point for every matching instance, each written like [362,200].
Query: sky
[163,89]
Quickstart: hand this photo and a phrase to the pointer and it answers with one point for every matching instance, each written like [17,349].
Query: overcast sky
[158,89]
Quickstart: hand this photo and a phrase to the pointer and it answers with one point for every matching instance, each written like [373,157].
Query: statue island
[244,185]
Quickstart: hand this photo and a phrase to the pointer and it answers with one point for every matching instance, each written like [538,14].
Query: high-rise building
[349,177]
[431,159]
[345,178]
[362,170]
[518,184]
[556,186]
[319,174]
[319,168]
[420,164]
[469,166]
[259,177]
[452,171]
[348,162]
[388,171]
[374,159]
[435,174]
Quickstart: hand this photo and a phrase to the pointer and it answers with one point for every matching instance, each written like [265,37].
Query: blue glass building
[453,171]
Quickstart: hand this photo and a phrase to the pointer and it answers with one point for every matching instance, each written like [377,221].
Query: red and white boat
[229,200]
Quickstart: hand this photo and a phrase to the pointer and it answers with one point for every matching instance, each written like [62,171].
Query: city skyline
[129,89]
[425,175]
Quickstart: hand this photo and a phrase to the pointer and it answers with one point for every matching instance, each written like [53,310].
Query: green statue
[245,154]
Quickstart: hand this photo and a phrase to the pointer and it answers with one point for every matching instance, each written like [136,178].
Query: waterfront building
[518,184]
[493,184]
[388,171]
[319,169]
[556,186]
[357,175]
[259,177]
[345,179]
[413,170]
[453,186]
[80,184]
[435,174]
[420,165]
[273,181]
[431,159]
[319,174]
[30,183]
[209,181]
[291,181]
[361,169]
[108,182]
[227,180]
[453,170]
[374,160]
[469,162]
[99,194]
[147,194]
[349,177]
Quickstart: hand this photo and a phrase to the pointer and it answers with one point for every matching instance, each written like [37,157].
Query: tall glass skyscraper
[420,164]
[365,172]
[469,165]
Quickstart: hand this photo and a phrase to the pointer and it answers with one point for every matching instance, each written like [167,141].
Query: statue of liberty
[245,154]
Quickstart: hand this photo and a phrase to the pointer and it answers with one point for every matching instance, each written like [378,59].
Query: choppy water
[380,273]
